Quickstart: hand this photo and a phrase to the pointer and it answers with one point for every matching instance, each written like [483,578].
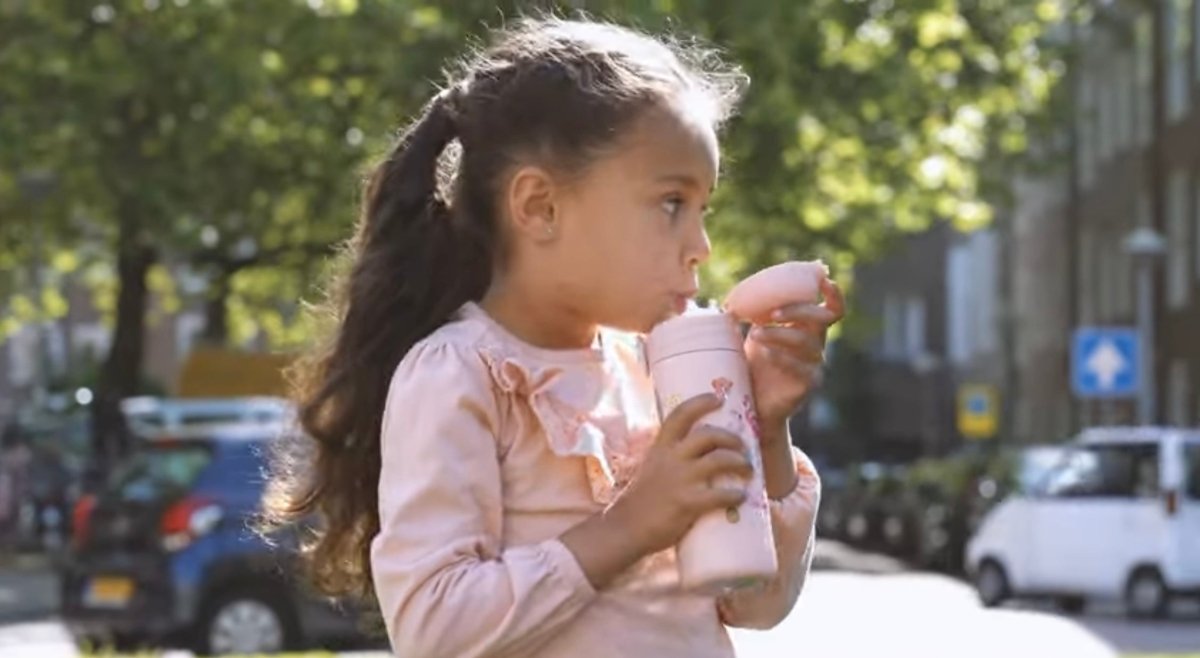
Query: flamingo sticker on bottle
[701,352]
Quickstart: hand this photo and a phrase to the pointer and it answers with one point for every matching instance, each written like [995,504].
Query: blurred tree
[219,139]
[223,138]
[868,117]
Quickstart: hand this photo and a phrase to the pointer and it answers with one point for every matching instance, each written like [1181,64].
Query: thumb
[681,420]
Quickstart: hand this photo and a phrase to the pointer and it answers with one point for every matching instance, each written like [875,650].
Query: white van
[152,416]
[1118,517]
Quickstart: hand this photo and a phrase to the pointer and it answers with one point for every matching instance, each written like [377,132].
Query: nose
[698,249]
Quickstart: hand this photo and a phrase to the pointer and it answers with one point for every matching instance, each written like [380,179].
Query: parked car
[166,549]
[830,514]
[154,415]
[869,494]
[57,448]
[1118,517]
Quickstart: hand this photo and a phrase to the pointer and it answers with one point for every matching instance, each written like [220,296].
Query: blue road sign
[1105,362]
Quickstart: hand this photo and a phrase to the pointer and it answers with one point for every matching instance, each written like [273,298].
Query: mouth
[680,301]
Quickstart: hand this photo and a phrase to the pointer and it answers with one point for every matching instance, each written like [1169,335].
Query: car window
[1192,460]
[160,468]
[1034,465]
[1107,471]
[211,418]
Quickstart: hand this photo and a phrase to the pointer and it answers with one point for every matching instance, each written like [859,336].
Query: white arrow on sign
[1106,363]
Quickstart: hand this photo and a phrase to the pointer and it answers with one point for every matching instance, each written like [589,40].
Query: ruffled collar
[596,403]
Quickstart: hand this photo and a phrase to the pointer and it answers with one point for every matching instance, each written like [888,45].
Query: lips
[681,300]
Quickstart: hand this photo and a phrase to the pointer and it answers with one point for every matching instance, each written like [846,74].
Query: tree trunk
[216,311]
[122,369]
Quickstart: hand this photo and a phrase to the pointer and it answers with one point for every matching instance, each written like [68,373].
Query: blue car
[167,549]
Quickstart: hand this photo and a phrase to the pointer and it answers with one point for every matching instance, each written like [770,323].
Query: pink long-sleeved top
[492,448]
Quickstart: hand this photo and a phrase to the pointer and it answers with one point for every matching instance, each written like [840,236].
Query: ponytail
[413,264]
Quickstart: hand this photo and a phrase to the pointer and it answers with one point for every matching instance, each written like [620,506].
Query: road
[855,605]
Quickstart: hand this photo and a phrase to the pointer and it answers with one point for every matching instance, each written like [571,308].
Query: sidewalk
[835,556]
[29,589]
[41,639]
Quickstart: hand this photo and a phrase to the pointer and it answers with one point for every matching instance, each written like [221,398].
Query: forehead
[673,140]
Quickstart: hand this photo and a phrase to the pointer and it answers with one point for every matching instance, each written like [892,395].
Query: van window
[1192,460]
[1107,471]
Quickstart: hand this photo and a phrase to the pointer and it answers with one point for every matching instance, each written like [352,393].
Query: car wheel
[1146,595]
[253,620]
[991,583]
[1071,605]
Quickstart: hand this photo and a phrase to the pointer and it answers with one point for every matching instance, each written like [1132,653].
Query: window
[1195,199]
[1144,74]
[958,292]
[1123,289]
[1178,39]
[1191,455]
[188,327]
[893,337]
[22,353]
[1178,393]
[1122,99]
[1087,120]
[1087,303]
[914,327]
[1105,124]
[1110,275]
[1178,266]
[55,347]
[1196,39]
[1107,471]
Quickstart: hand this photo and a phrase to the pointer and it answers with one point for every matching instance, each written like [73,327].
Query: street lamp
[1146,246]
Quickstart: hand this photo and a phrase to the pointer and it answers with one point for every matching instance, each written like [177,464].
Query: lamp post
[1146,246]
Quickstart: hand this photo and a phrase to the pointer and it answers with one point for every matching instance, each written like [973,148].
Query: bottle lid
[697,330]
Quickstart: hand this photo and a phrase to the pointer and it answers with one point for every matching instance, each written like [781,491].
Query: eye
[673,205]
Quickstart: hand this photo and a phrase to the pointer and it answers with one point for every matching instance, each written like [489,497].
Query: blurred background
[1008,190]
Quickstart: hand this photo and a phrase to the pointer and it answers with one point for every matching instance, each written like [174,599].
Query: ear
[530,201]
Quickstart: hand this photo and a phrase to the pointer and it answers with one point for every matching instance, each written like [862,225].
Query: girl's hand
[787,356]
[672,486]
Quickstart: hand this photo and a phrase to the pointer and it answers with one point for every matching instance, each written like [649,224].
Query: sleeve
[445,587]
[793,520]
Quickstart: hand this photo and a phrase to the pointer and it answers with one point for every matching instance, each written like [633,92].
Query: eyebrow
[684,179]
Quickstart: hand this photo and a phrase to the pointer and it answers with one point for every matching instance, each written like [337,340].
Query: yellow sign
[214,372]
[978,411]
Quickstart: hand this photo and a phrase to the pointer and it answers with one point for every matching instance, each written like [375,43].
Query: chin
[640,323]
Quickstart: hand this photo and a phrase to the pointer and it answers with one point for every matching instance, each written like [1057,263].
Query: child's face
[632,227]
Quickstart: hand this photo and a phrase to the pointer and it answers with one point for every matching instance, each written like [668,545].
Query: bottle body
[689,356]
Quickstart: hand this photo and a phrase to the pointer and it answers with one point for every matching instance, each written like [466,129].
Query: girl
[489,462]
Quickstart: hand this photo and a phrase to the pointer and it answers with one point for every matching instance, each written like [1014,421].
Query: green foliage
[230,136]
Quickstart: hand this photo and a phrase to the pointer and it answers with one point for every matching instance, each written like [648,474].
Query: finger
[785,359]
[704,439]
[812,373]
[835,301]
[800,342]
[724,462]
[680,421]
[707,499]
[804,314]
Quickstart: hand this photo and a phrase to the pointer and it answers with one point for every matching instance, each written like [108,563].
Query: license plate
[108,592]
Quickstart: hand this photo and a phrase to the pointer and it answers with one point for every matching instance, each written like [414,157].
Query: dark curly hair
[551,91]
